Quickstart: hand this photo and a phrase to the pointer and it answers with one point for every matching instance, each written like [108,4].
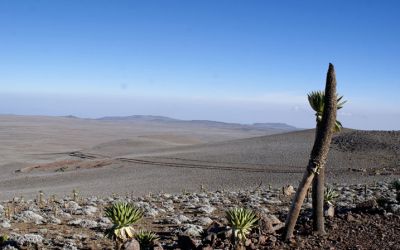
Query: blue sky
[237,61]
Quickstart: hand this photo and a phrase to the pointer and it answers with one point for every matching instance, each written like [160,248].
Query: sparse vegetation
[317,100]
[241,221]
[330,196]
[75,195]
[395,184]
[123,215]
[146,239]
[3,238]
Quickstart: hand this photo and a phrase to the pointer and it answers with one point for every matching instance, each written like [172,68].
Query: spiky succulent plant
[3,238]
[241,221]
[122,215]
[146,239]
[317,101]
[330,196]
[396,184]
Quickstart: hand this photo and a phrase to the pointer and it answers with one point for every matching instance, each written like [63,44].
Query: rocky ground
[367,217]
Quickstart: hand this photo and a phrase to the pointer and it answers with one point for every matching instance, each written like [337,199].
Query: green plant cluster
[123,215]
[317,103]
[241,221]
[396,184]
[330,196]
[146,239]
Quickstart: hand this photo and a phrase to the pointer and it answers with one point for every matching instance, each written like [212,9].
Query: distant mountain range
[215,124]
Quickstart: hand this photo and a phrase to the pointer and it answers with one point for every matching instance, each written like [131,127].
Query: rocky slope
[367,217]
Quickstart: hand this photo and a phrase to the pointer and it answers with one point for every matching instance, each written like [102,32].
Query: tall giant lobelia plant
[317,103]
[319,152]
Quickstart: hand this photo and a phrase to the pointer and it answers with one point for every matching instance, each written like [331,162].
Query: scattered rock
[5,224]
[29,239]
[186,215]
[72,206]
[204,221]
[395,208]
[206,209]
[132,244]
[329,211]
[192,230]
[89,210]
[288,190]
[54,220]
[83,223]
[30,216]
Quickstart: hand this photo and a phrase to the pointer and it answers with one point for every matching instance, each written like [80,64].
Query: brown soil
[351,231]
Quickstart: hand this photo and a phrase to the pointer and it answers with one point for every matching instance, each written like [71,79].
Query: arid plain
[143,154]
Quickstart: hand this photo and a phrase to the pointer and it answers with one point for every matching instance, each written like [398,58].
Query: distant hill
[277,127]
[137,118]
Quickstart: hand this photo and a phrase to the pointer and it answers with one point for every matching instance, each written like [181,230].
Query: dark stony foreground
[367,217]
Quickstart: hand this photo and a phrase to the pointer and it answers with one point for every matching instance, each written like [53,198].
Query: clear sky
[236,61]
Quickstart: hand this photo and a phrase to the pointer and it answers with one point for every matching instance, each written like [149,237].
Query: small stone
[395,208]
[83,223]
[350,218]
[262,240]
[105,220]
[204,221]
[172,220]
[206,209]
[69,246]
[89,210]
[192,230]
[54,220]
[272,238]
[330,211]
[183,218]
[5,224]
[288,190]
[72,206]
[132,244]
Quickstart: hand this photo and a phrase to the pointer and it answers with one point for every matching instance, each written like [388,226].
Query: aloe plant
[330,196]
[146,239]
[3,238]
[241,221]
[122,215]
[396,184]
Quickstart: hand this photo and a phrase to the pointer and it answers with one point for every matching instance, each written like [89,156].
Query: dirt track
[98,157]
